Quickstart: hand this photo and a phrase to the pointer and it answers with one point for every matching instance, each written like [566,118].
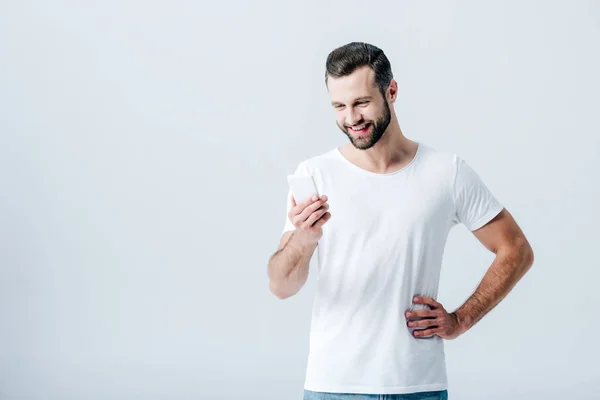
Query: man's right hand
[310,215]
[288,267]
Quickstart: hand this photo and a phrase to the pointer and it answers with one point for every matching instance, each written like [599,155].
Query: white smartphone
[302,187]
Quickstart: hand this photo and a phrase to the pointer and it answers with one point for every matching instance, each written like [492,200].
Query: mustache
[363,122]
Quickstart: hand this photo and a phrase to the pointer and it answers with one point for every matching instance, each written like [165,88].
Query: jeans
[437,395]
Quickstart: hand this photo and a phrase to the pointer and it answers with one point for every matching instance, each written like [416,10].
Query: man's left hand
[436,321]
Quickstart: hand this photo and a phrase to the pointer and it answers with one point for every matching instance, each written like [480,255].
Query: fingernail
[315,198]
[408,315]
[416,299]
[411,324]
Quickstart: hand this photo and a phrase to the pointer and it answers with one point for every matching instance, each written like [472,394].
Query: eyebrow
[355,100]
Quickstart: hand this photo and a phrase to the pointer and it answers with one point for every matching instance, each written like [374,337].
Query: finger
[426,300]
[321,221]
[424,323]
[293,200]
[421,314]
[316,215]
[304,215]
[425,332]
[297,210]
[308,201]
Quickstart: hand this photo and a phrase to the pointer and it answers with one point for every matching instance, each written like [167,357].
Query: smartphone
[302,187]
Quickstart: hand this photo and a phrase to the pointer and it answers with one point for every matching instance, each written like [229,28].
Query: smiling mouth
[359,129]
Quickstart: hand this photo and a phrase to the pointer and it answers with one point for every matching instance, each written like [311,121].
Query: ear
[393,91]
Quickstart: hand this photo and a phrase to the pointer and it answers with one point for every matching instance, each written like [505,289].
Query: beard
[377,129]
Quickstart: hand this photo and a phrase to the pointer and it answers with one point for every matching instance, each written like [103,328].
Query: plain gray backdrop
[143,154]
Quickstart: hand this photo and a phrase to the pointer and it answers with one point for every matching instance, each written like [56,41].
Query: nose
[352,116]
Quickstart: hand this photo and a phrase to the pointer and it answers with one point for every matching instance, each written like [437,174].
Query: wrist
[463,321]
[306,238]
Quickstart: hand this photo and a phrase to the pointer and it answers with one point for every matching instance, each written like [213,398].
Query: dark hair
[346,59]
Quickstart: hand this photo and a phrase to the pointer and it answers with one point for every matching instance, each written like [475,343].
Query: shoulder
[319,162]
[438,161]
[458,167]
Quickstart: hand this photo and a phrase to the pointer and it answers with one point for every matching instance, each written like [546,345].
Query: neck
[393,151]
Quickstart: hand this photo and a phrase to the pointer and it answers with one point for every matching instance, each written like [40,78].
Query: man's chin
[362,142]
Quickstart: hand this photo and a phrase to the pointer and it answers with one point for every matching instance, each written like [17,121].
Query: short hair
[346,59]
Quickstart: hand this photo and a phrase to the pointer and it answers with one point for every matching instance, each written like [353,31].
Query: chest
[386,209]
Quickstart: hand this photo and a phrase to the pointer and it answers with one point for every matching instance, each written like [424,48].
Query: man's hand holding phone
[308,212]
[310,215]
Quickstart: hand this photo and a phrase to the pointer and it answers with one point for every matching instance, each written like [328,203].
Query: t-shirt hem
[486,218]
[376,389]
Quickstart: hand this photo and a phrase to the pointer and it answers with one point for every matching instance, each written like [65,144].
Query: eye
[360,103]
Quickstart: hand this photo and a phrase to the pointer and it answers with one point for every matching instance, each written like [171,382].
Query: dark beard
[379,128]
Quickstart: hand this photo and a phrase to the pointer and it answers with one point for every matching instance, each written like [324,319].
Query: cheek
[371,115]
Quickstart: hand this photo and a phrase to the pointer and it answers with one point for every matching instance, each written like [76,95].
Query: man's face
[362,112]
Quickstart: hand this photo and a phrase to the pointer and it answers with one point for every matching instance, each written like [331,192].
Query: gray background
[143,155]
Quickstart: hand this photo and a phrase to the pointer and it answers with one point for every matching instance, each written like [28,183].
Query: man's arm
[514,257]
[288,267]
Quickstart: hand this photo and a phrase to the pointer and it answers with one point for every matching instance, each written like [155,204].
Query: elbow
[277,291]
[530,258]
[527,256]
[519,254]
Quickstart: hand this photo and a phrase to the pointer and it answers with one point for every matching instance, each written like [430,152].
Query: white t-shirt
[383,245]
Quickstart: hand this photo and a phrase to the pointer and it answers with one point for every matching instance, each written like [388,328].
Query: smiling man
[379,227]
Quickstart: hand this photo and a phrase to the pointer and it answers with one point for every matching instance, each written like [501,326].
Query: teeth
[359,128]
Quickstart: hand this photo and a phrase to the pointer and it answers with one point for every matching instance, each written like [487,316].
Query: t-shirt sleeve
[475,204]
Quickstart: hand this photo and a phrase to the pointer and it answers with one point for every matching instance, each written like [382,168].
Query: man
[380,225]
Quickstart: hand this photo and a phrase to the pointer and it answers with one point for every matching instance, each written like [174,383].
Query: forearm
[288,266]
[508,268]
